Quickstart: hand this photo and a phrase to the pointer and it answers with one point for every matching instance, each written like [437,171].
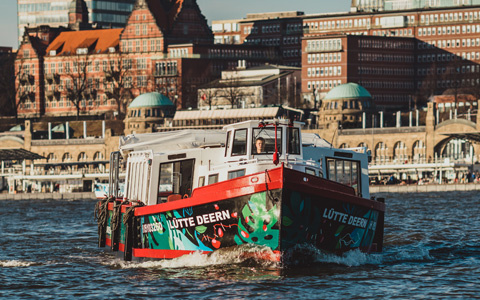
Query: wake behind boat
[262,184]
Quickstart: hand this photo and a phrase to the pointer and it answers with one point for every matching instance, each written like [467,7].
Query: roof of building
[19,127]
[273,67]
[96,41]
[349,90]
[153,99]
[61,128]
[18,154]
[256,113]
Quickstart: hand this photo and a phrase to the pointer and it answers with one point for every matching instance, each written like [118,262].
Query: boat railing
[234,163]
[358,149]
[294,161]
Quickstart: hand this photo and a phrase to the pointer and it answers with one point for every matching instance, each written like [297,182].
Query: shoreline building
[385,5]
[446,53]
[103,13]
[258,86]
[279,29]
[445,37]
[384,65]
[165,47]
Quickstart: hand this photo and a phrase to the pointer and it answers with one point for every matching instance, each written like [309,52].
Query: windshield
[264,141]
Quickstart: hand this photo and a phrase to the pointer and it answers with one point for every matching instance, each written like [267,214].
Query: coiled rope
[130,212]
[117,211]
[101,210]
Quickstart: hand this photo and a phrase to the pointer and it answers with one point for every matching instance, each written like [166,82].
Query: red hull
[292,189]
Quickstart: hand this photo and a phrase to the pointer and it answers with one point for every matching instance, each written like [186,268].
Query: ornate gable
[189,25]
[145,28]
[153,24]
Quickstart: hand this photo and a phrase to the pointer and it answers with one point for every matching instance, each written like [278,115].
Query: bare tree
[78,88]
[456,75]
[428,86]
[166,85]
[119,76]
[231,90]
[8,89]
[18,90]
[208,94]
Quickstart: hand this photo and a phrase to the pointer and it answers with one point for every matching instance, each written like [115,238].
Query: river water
[48,249]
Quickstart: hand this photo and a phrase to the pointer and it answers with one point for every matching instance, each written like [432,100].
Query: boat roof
[314,140]
[172,140]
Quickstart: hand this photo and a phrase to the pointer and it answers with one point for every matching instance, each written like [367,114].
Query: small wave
[354,258]
[404,254]
[16,263]
[306,254]
[236,255]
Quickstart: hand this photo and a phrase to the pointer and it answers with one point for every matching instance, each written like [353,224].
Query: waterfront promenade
[54,196]
[413,188]
[374,189]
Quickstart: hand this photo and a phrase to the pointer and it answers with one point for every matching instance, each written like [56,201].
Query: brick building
[444,36]
[166,46]
[444,54]
[279,29]
[383,65]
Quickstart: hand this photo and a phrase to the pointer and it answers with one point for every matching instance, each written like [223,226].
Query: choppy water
[48,249]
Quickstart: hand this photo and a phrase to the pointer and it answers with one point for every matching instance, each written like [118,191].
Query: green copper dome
[150,100]
[348,91]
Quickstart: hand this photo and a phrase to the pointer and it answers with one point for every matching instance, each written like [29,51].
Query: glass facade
[105,13]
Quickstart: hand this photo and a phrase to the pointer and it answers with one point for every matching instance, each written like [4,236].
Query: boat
[261,185]
[101,190]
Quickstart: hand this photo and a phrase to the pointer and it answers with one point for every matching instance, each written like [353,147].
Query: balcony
[166,74]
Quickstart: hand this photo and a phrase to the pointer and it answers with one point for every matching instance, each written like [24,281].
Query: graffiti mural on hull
[330,225]
[251,219]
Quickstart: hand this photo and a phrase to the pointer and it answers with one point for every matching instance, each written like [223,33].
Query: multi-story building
[253,87]
[104,13]
[445,55]
[381,5]
[164,47]
[444,33]
[383,65]
[227,31]
[281,29]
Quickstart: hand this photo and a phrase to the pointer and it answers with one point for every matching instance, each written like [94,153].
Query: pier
[413,188]
[52,196]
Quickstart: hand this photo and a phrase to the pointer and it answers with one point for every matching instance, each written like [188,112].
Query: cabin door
[175,178]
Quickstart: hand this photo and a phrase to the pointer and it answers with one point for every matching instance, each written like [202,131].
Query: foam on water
[16,263]
[237,255]
[407,254]
[354,258]
[243,255]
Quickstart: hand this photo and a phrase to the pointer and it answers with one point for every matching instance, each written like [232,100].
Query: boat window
[227,144]
[240,142]
[235,174]
[293,138]
[310,171]
[264,141]
[345,172]
[175,178]
[212,178]
[201,181]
